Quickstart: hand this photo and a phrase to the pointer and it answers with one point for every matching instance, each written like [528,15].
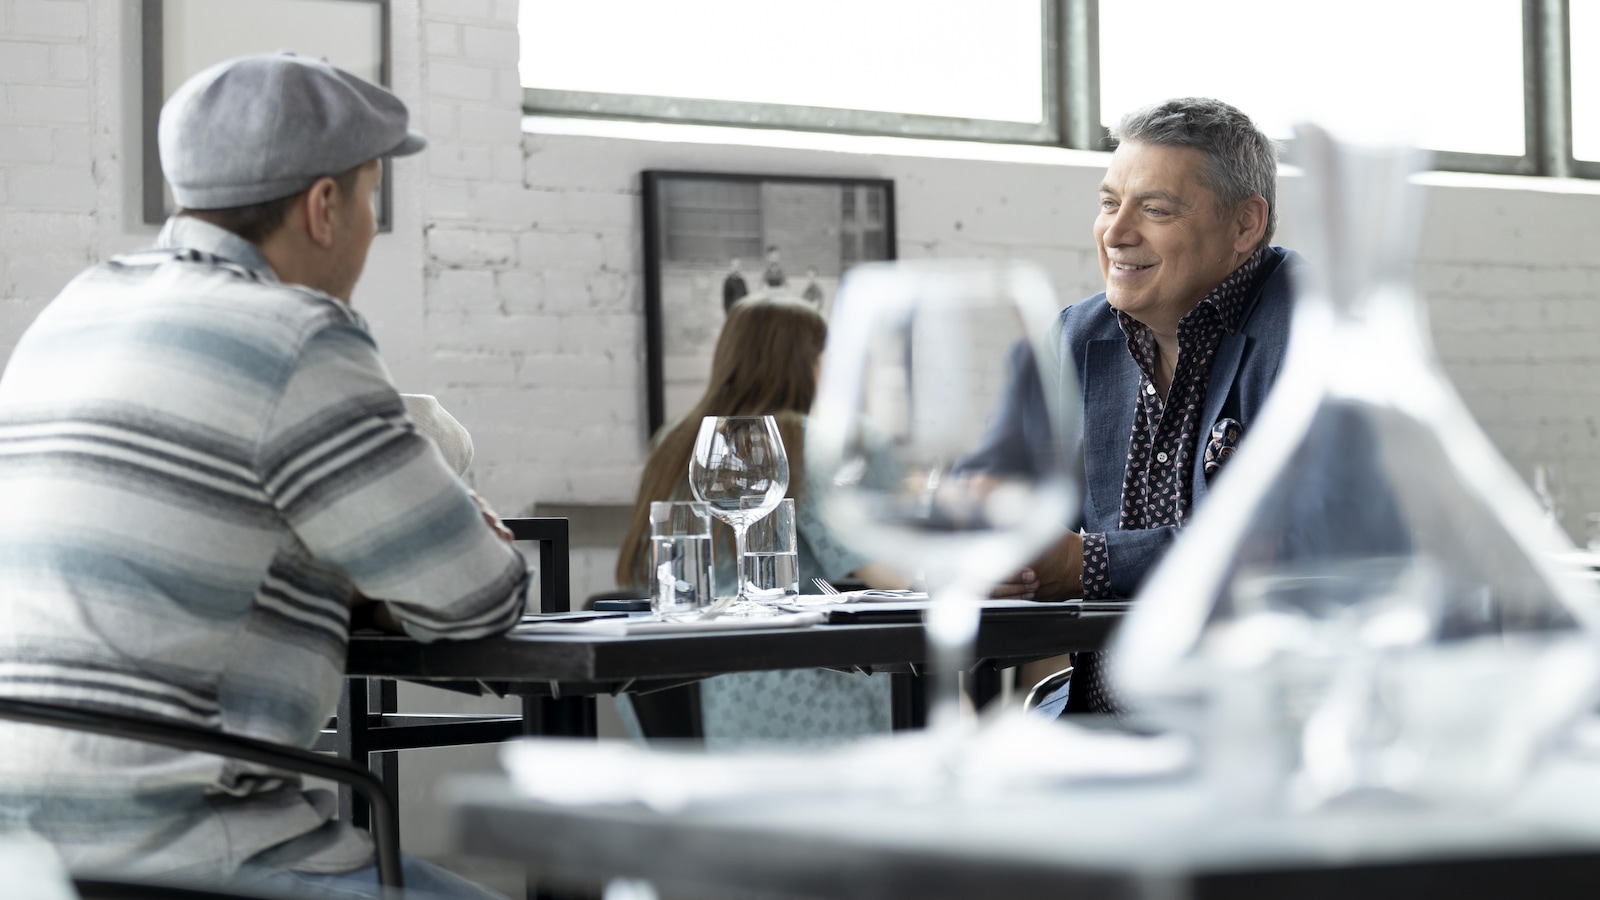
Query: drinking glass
[939,419]
[774,556]
[682,574]
[740,469]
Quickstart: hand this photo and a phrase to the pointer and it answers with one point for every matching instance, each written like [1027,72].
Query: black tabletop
[593,663]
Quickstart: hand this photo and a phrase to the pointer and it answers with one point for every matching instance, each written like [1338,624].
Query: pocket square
[1224,440]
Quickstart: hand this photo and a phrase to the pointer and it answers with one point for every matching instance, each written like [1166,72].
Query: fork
[824,586]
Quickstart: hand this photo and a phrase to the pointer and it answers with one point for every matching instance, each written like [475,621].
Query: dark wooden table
[1155,839]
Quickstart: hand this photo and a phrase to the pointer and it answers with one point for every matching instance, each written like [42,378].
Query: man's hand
[491,517]
[366,613]
[1056,574]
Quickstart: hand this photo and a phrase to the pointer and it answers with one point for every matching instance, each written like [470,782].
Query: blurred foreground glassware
[740,468]
[1368,605]
[921,359]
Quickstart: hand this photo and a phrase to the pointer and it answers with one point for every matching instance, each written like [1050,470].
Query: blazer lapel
[1110,390]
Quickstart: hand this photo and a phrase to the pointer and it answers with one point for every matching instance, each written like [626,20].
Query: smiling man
[1175,359]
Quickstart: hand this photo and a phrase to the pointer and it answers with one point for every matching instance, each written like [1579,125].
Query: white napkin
[624,625]
[1014,751]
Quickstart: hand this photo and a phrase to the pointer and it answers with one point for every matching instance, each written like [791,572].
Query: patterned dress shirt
[1156,488]
[198,466]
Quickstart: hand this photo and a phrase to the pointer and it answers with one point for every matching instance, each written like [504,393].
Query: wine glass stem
[952,627]
[738,550]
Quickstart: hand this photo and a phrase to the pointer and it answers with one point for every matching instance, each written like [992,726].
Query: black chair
[1049,696]
[368,727]
[385,813]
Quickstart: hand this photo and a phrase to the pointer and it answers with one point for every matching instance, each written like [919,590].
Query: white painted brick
[600,332]
[494,333]
[506,11]
[566,289]
[520,291]
[501,203]
[490,45]
[450,199]
[23,62]
[458,9]
[493,125]
[69,62]
[64,189]
[50,18]
[73,146]
[473,369]
[616,292]
[452,160]
[468,247]
[508,87]
[48,232]
[509,486]
[608,209]
[35,103]
[548,250]
[621,250]
[22,144]
[1560,280]
[442,39]
[463,82]
[507,164]
[441,121]
[587,369]
[463,289]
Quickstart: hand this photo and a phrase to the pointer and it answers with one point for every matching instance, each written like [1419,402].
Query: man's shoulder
[1091,318]
[203,283]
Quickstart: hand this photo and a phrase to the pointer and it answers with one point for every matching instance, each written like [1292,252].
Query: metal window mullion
[1549,72]
[1078,54]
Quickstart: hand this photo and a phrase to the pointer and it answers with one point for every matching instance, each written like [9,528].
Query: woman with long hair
[765,363]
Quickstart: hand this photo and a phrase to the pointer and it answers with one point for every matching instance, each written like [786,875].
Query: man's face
[357,226]
[1162,245]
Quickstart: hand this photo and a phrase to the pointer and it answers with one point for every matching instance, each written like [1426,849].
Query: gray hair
[1243,160]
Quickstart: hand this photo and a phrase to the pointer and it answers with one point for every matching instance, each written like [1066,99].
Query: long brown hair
[765,364]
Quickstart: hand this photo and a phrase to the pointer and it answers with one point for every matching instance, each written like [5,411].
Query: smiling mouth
[1129,267]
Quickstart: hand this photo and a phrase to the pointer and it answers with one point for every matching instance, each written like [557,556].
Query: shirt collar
[1227,298]
[190,233]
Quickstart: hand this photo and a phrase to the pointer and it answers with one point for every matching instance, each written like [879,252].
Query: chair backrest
[385,812]
[1052,687]
[555,558]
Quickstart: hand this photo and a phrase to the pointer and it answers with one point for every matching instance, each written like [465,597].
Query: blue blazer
[1245,367]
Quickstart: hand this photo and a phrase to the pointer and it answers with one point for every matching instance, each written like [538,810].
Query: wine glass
[740,468]
[939,418]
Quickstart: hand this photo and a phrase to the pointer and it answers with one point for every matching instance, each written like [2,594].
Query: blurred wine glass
[740,469]
[922,361]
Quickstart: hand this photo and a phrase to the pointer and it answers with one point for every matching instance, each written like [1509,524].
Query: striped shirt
[198,466]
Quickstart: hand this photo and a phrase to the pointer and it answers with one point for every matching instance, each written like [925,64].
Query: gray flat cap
[260,127]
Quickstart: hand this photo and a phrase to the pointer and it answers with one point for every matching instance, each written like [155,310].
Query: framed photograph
[711,239]
[182,37]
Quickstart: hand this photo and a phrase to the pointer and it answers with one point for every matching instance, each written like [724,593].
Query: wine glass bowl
[739,467]
[929,372]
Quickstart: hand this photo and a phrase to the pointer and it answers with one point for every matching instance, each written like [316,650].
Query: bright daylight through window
[951,58]
[1394,69]
[1585,26]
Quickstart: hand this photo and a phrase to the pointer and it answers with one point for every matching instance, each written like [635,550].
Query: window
[1492,86]
[1391,68]
[1584,27]
[960,68]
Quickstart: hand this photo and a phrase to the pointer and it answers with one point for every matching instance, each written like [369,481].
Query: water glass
[681,570]
[772,562]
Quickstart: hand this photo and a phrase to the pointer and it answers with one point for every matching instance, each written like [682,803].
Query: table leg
[908,701]
[560,717]
[358,704]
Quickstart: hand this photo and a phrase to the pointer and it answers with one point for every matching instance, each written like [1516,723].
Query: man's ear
[321,204]
[1250,223]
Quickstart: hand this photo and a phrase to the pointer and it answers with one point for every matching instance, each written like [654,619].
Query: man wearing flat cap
[206,464]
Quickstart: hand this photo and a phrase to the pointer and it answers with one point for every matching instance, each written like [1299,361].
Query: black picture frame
[700,227]
[154,90]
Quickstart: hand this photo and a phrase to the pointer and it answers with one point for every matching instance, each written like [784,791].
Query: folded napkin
[583,771]
[645,624]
